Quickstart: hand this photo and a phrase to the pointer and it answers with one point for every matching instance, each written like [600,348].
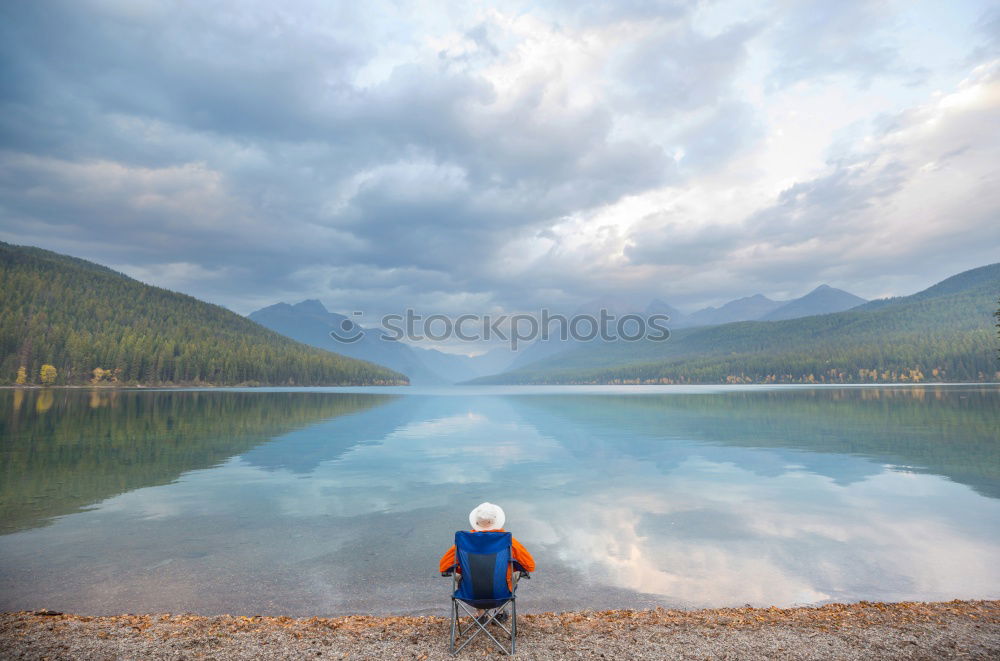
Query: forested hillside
[94,325]
[944,333]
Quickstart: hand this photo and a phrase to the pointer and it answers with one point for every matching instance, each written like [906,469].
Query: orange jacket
[521,557]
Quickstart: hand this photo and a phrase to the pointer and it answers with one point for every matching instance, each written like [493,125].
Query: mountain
[454,368]
[944,333]
[556,345]
[822,300]
[446,367]
[494,361]
[540,350]
[78,316]
[742,309]
[311,323]
[656,306]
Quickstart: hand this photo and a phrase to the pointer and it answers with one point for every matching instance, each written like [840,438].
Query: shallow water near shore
[334,501]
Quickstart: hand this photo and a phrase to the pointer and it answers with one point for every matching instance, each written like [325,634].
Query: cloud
[429,167]
[915,186]
[676,68]
[816,39]
[507,157]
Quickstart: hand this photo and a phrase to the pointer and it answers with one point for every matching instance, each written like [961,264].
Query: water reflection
[96,444]
[948,431]
[779,496]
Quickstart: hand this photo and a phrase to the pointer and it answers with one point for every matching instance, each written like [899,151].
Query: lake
[334,501]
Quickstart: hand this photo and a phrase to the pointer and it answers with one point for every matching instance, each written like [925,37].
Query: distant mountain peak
[741,309]
[821,300]
[659,306]
[311,306]
[756,298]
[311,323]
[283,307]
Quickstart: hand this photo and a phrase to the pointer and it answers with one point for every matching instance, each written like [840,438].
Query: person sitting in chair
[488,517]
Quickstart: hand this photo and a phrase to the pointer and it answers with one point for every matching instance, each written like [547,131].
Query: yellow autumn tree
[47,375]
[22,376]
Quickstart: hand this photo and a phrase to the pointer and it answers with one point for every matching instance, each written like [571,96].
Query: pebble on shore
[866,630]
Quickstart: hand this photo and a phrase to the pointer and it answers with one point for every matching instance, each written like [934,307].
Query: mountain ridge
[80,316]
[311,323]
[946,329]
[740,309]
[824,299]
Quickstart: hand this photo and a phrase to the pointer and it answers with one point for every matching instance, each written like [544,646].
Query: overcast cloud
[503,156]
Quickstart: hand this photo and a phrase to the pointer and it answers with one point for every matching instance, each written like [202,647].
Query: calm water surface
[326,502]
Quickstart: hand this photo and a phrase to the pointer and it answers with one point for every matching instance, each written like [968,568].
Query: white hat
[487,517]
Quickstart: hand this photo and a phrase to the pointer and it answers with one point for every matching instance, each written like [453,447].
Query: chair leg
[481,627]
[513,626]
[454,622]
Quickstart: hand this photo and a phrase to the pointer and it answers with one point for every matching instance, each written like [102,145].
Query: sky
[478,157]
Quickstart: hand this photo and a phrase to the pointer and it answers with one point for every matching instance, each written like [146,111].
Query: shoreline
[955,629]
[210,386]
[189,386]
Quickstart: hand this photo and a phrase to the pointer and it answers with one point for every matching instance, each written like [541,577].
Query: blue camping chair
[483,558]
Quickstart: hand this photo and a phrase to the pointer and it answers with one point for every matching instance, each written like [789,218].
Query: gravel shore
[957,629]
